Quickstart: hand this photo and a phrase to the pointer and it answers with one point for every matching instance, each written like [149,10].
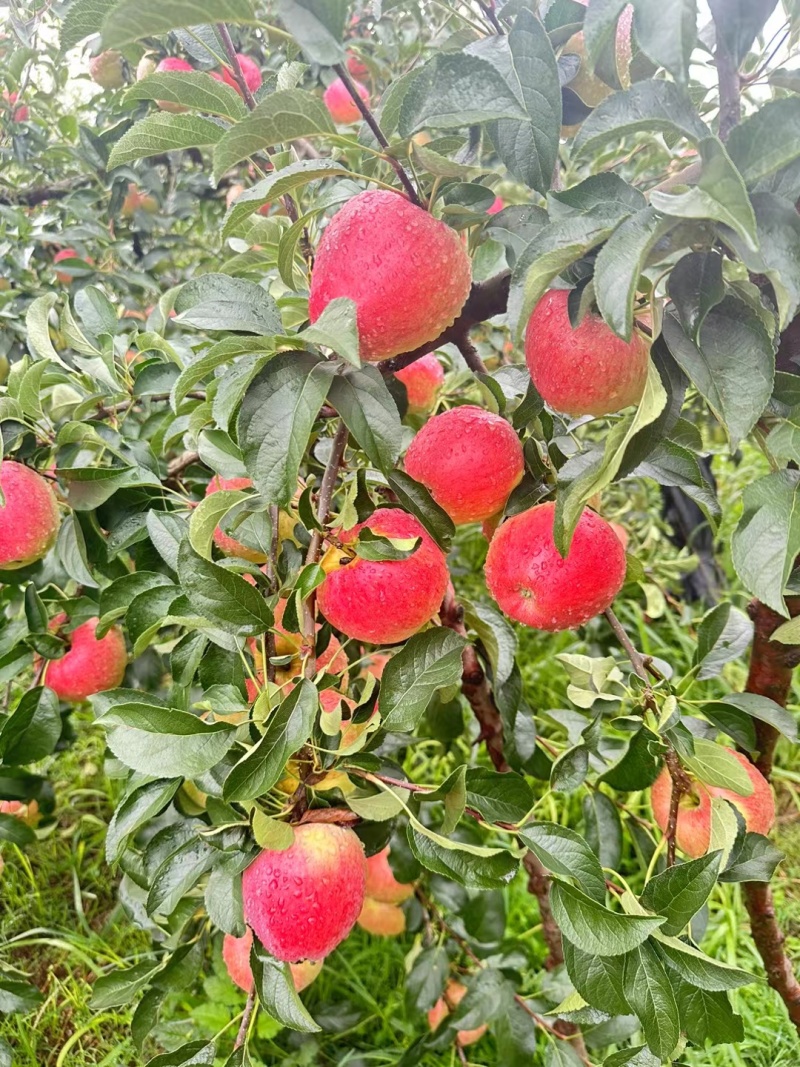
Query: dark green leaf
[754,861]
[739,22]
[178,874]
[370,414]
[275,421]
[724,634]
[603,828]
[594,928]
[680,891]
[474,872]
[565,853]
[195,90]
[16,832]
[778,252]
[499,797]
[135,810]
[165,742]
[288,728]
[695,286]
[669,42]
[222,597]
[648,990]
[18,996]
[193,1054]
[120,987]
[427,977]
[163,132]
[707,1016]
[217,302]
[639,767]
[317,26]
[131,20]
[765,710]
[700,970]
[276,991]
[81,21]
[767,539]
[428,661]
[415,498]
[32,730]
[648,105]
[768,140]
[600,980]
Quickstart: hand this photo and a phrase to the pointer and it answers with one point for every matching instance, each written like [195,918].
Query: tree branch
[40,193]
[245,1025]
[730,104]
[770,675]
[380,137]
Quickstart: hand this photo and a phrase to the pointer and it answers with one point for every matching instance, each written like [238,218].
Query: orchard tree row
[336,338]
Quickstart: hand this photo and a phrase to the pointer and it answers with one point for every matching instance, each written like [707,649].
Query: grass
[61,926]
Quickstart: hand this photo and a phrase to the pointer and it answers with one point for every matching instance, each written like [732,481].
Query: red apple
[228,545]
[172,64]
[90,665]
[236,954]
[26,811]
[107,70]
[340,104]
[497,205]
[423,379]
[381,882]
[19,113]
[453,995]
[469,459]
[531,582]
[381,919]
[356,66]
[29,516]
[384,602]
[585,371]
[304,901]
[251,72]
[65,253]
[693,830]
[407,272]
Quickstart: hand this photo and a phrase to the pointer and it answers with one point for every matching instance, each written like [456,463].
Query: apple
[343,109]
[172,64]
[19,113]
[29,516]
[304,901]
[68,253]
[356,66]
[693,829]
[136,200]
[108,70]
[90,665]
[381,882]
[497,205]
[236,954]
[26,811]
[387,601]
[251,72]
[233,193]
[228,545]
[531,582]
[375,664]
[408,273]
[585,371]
[423,379]
[469,459]
[381,919]
[453,995]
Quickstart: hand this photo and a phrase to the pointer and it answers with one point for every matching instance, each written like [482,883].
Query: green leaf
[277,184]
[766,141]
[707,1016]
[317,26]
[497,636]
[499,797]
[638,767]
[698,969]
[37,328]
[82,20]
[571,500]
[490,871]
[715,765]
[279,117]
[288,728]
[135,810]
[778,252]
[594,928]
[217,302]
[16,832]
[370,414]
[414,497]
[695,286]
[732,365]
[767,539]
[428,661]
[648,990]
[32,730]
[178,874]
[600,980]
[192,1054]
[680,891]
[275,421]
[739,22]
[669,42]
[529,148]
[157,134]
[755,860]
[719,194]
[196,90]
[121,986]
[620,263]
[18,996]
[654,106]
[164,742]
[131,20]
[381,549]
[565,853]
[724,634]
[454,90]
[207,516]
[765,710]
[276,991]
[336,328]
[600,28]
[221,596]
[554,248]
[218,355]
[603,828]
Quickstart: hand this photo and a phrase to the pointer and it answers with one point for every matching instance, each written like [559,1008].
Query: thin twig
[637,659]
[380,137]
[245,1025]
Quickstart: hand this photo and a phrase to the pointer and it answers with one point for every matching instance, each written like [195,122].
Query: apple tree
[350,352]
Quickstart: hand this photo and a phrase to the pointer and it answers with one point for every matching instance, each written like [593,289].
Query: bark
[770,675]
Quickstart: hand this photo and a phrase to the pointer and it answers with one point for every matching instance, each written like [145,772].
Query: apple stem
[380,137]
